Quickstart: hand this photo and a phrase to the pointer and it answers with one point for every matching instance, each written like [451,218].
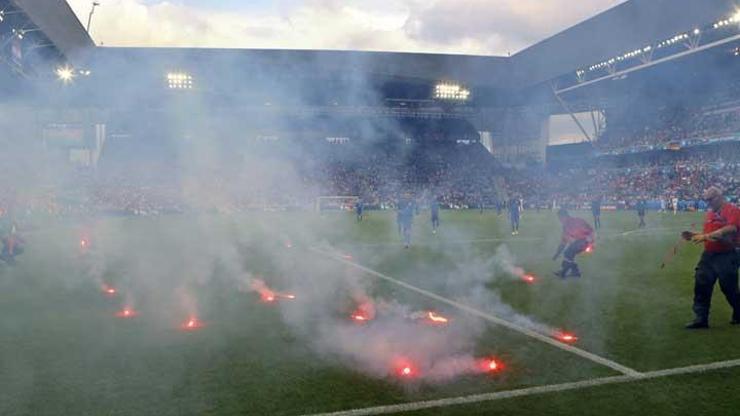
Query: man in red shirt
[719,261]
[577,236]
[12,246]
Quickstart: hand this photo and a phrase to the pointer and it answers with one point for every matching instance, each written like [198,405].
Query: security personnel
[577,236]
[719,261]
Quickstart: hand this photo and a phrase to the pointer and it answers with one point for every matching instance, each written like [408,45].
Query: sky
[478,27]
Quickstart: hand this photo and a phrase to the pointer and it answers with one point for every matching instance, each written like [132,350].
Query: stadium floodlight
[5,13]
[451,92]
[65,74]
[179,81]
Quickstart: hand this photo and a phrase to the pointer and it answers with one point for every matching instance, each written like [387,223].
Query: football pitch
[173,316]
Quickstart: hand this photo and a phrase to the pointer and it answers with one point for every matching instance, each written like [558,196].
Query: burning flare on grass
[108,290]
[287,242]
[364,312]
[266,294]
[126,312]
[436,318]
[430,317]
[566,337]
[404,368]
[191,324]
[520,273]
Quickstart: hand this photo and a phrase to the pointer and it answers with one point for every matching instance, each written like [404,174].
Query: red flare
[347,256]
[405,369]
[365,312]
[436,318]
[566,337]
[192,324]
[266,294]
[83,243]
[589,249]
[490,365]
[126,312]
[108,290]
[267,297]
[359,317]
[519,272]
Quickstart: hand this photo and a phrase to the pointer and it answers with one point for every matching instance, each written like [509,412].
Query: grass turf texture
[63,351]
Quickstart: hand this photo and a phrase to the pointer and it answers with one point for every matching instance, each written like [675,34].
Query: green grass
[62,350]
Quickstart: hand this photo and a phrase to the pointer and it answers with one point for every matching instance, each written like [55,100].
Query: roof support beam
[652,63]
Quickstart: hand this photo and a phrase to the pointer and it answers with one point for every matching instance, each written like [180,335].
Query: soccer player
[641,207]
[596,211]
[514,211]
[406,220]
[674,204]
[577,237]
[399,208]
[359,209]
[719,261]
[434,208]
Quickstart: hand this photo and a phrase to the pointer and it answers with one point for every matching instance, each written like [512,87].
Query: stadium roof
[58,22]
[622,28]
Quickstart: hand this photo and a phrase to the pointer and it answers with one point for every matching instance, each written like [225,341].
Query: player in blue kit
[434,208]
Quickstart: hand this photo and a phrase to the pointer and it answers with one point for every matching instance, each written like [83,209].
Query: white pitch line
[451,242]
[661,230]
[529,391]
[491,318]
[515,240]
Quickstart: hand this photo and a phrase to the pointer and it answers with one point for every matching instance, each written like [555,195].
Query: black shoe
[559,274]
[697,325]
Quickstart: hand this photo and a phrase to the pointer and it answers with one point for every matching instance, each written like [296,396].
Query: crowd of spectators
[457,173]
[669,127]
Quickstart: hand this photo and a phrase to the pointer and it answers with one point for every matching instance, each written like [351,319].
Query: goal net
[336,203]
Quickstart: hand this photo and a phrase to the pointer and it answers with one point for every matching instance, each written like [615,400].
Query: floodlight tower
[89,17]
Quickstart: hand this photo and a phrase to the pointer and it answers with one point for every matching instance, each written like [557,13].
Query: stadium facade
[585,68]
